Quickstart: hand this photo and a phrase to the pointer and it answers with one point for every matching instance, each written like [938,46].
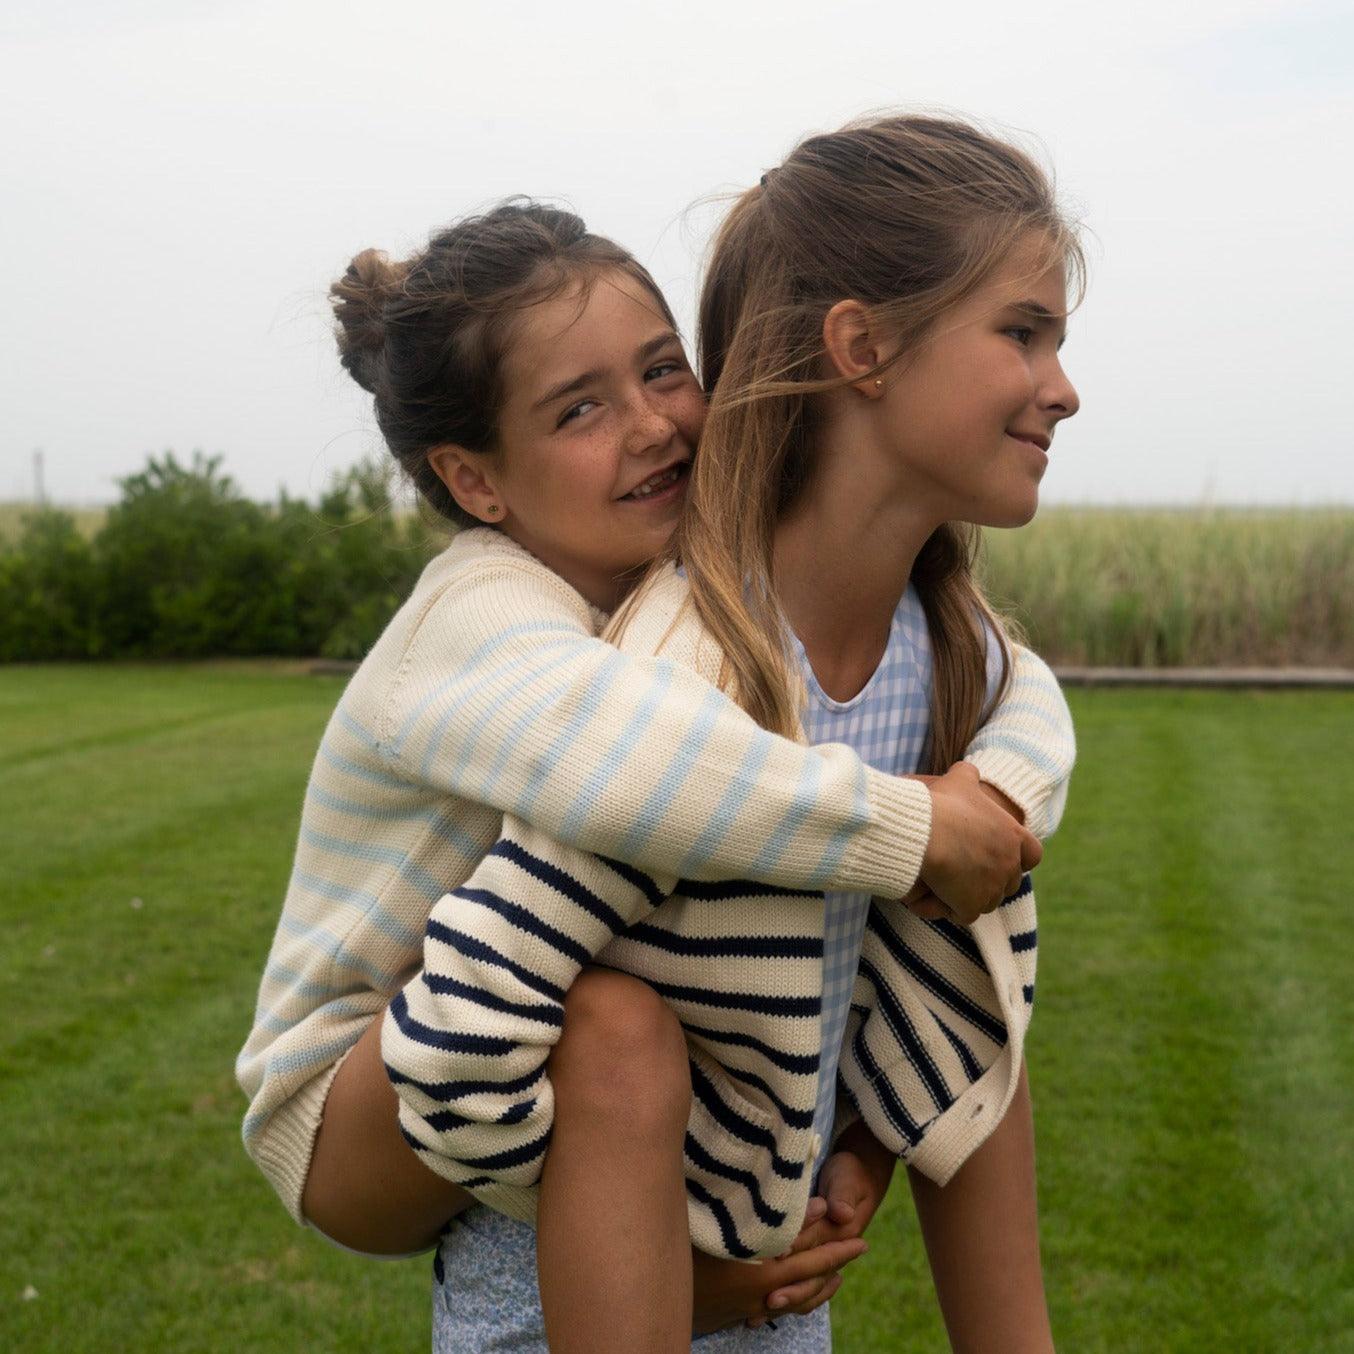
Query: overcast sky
[180,181]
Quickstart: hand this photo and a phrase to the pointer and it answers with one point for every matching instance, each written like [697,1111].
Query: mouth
[660,486]
[1033,439]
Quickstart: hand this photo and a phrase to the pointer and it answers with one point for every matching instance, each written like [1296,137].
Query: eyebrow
[1037,308]
[576,383]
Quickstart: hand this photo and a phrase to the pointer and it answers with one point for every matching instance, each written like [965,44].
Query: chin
[1010,515]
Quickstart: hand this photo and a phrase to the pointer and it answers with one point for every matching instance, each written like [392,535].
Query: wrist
[1002,801]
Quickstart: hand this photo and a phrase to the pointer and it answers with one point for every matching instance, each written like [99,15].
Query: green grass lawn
[1192,1056]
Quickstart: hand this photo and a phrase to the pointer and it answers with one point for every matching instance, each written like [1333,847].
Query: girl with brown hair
[881,324]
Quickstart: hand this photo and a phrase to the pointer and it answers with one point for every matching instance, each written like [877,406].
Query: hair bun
[359,299]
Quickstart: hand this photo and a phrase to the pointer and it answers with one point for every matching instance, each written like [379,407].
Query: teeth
[652,486]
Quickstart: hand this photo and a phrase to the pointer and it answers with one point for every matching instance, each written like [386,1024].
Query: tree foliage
[184,566]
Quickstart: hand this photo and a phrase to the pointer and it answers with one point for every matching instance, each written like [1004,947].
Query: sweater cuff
[284,1147]
[885,859]
[1024,785]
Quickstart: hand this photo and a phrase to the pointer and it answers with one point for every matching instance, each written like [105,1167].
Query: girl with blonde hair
[881,323]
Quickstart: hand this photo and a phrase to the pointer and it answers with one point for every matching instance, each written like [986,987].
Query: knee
[622,1051]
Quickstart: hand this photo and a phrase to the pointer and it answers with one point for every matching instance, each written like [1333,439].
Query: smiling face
[970,417]
[599,423]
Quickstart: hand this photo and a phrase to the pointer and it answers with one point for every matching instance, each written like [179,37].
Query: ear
[852,346]
[469,476]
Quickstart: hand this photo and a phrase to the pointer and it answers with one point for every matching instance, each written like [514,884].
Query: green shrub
[184,566]
[47,590]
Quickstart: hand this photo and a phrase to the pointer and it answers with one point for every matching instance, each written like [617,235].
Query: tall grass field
[1192,1053]
[1180,588]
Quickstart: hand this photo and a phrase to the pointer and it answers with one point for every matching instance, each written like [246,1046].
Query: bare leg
[982,1239]
[366,1187]
[613,1240]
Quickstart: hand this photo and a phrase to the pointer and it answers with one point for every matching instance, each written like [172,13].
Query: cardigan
[934,1041]
[490,692]
[888,722]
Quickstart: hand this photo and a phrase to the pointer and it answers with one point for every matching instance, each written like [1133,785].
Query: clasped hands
[851,1186]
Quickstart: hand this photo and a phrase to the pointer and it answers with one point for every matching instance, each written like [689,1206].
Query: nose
[1058,396]
[650,427]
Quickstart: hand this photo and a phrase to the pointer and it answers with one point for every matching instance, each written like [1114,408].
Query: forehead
[1033,270]
[593,322]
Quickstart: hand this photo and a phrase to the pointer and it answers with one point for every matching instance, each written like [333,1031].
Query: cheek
[688,414]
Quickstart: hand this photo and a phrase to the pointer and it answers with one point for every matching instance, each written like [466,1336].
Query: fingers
[828,1291]
[841,1211]
[816,1261]
[801,1298]
[807,1279]
[795,1294]
[929,908]
[841,1182]
[819,1234]
[814,1231]
[1031,850]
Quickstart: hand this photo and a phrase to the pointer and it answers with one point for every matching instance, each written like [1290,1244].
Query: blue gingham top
[886,723]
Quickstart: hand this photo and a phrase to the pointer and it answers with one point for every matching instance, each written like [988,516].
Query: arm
[506,697]
[1023,756]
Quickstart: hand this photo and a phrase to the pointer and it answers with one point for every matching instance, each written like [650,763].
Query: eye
[661,369]
[574,411]
[1024,333]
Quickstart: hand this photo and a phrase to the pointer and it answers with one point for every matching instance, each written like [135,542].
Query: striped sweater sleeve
[507,698]
[466,1041]
[1028,746]
[1027,749]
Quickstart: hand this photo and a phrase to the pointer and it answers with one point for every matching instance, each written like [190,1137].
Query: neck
[842,558]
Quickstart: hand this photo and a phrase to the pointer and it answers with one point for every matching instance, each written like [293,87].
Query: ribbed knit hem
[1024,785]
[284,1147]
[886,858]
[954,1136]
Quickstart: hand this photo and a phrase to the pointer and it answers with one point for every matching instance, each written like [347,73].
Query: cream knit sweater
[489,693]
[933,1047]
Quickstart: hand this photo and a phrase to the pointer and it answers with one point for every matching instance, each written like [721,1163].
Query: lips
[657,482]
[1038,439]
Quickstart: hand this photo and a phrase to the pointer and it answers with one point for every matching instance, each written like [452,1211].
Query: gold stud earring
[493,510]
[879,383]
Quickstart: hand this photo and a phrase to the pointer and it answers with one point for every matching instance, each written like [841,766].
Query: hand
[977,852]
[852,1185]
[730,1291]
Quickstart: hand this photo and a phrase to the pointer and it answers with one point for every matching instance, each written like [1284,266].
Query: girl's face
[971,416]
[599,425]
